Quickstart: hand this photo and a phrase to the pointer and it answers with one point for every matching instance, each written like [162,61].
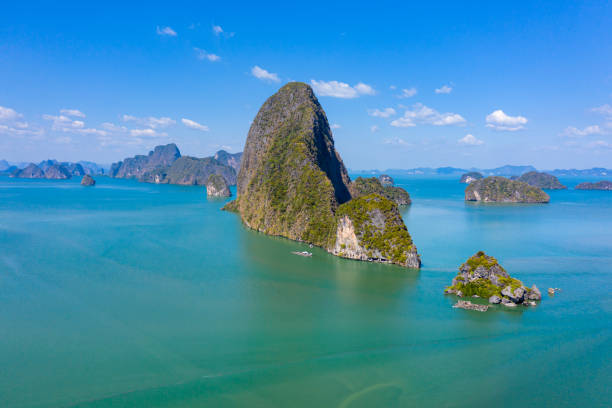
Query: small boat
[303,253]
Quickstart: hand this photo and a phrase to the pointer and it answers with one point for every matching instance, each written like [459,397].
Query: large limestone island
[481,276]
[544,181]
[600,185]
[502,190]
[165,165]
[293,183]
[49,169]
[467,178]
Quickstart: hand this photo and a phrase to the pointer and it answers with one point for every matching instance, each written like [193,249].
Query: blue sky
[404,85]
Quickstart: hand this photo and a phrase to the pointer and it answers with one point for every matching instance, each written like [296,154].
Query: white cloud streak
[498,120]
[343,90]
[72,112]
[194,125]
[151,122]
[264,75]
[572,131]
[407,93]
[421,114]
[470,140]
[202,55]
[385,113]
[166,31]
[444,89]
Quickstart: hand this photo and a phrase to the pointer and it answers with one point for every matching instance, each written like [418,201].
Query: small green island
[497,189]
[365,186]
[481,276]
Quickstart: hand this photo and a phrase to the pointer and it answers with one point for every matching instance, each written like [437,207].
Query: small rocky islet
[497,189]
[216,186]
[467,178]
[293,183]
[87,180]
[481,276]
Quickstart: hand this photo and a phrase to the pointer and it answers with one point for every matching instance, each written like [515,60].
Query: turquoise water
[142,295]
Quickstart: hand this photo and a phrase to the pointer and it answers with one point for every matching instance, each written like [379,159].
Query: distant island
[481,276]
[502,190]
[505,171]
[293,183]
[51,169]
[165,165]
[600,185]
[542,180]
[467,178]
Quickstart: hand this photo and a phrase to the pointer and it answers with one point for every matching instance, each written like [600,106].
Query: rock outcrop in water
[502,190]
[370,228]
[482,276]
[467,178]
[600,185]
[364,186]
[386,180]
[216,186]
[292,183]
[88,180]
[541,180]
[136,166]
[30,171]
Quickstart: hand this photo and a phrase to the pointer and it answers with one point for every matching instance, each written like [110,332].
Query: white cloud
[605,110]
[202,55]
[385,113]
[599,144]
[470,140]
[425,115]
[392,87]
[217,29]
[407,93]
[166,31]
[7,114]
[264,75]
[338,89]
[147,133]
[335,126]
[498,120]
[445,89]
[194,125]
[64,123]
[396,141]
[373,128]
[150,121]
[572,131]
[63,140]
[72,112]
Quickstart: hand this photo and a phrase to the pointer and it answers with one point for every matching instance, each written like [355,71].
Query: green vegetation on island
[541,180]
[364,186]
[292,183]
[386,180]
[502,190]
[482,276]
[600,185]
[371,228]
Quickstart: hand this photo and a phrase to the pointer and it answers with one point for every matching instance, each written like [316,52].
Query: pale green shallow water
[140,295]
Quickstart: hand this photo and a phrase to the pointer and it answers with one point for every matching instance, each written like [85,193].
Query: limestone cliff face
[57,172]
[370,228]
[189,171]
[31,171]
[292,183]
[88,181]
[291,178]
[136,166]
[216,186]
[502,190]
[229,159]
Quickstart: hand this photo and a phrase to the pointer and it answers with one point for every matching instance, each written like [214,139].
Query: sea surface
[140,295]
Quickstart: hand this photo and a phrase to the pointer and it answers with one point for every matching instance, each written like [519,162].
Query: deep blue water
[142,295]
